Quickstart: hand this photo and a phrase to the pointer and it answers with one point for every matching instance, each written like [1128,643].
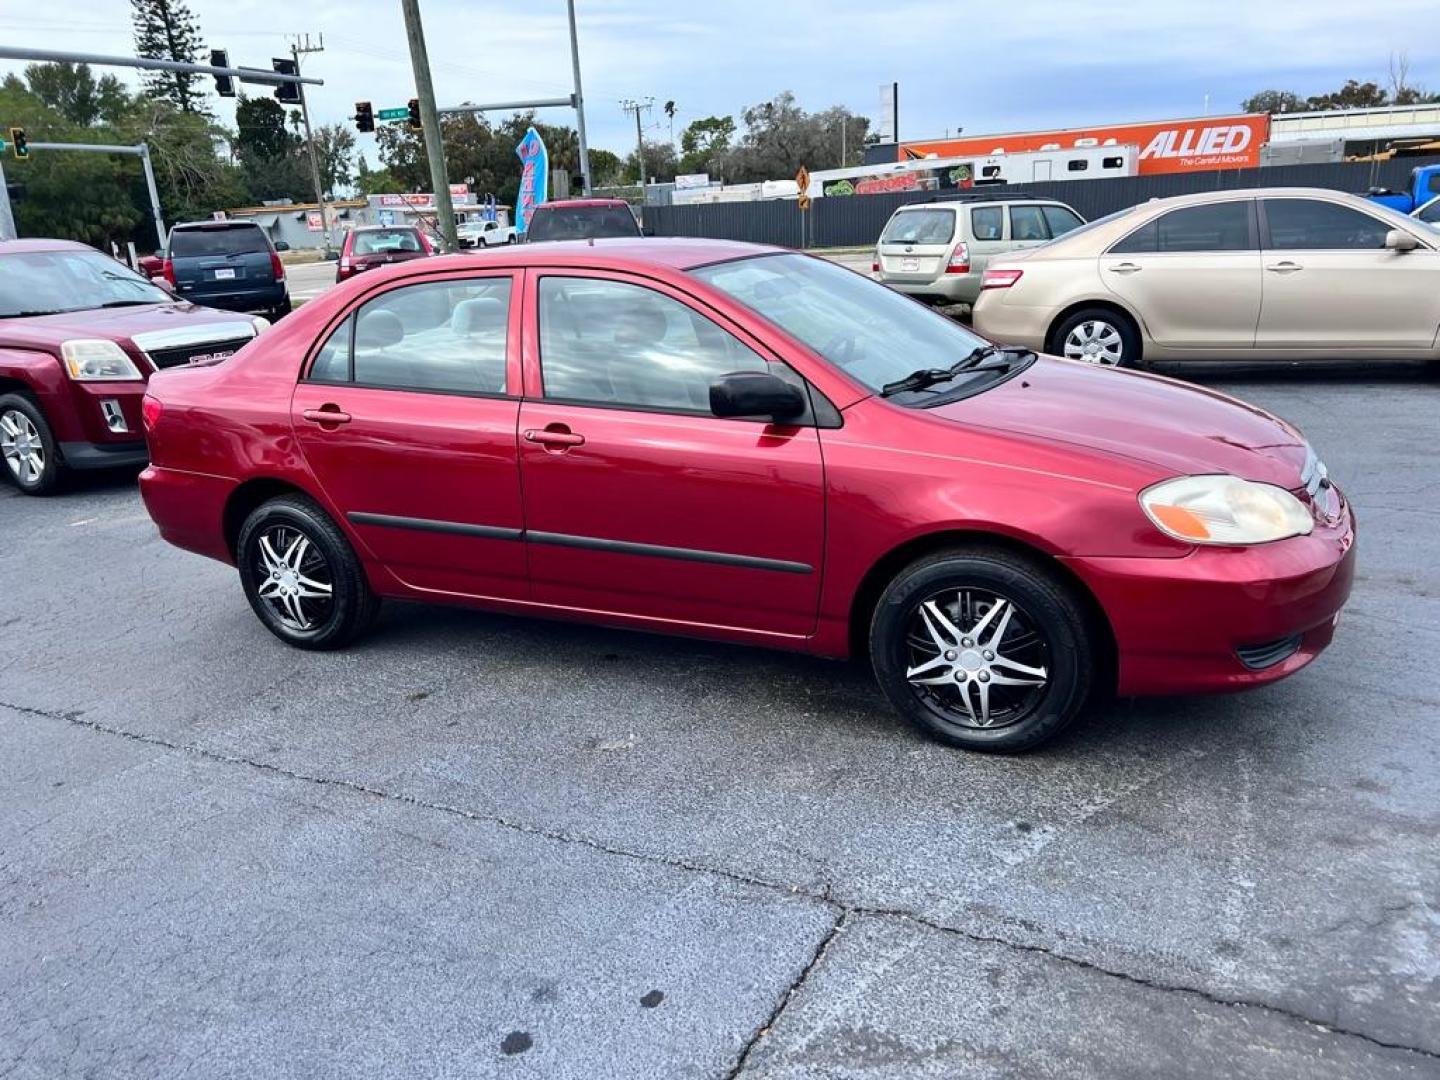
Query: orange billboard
[1166,146]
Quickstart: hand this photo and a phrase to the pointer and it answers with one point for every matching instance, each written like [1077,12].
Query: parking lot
[485,846]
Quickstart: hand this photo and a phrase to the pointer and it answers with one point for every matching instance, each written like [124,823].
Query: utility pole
[579,103]
[7,217]
[297,50]
[637,107]
[430,123]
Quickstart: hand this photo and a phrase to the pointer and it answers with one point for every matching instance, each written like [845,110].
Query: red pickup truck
[80,334]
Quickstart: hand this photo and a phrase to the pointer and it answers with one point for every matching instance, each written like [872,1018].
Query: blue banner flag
[534,179]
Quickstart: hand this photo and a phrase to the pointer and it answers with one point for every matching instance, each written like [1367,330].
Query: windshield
[381,241]
[218,240]
[581,223]
[933,226]
[48,282]
[875,335]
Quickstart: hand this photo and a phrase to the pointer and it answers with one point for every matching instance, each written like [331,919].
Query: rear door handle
[330,414]
[1284,268]
[547,437]
[1125,268]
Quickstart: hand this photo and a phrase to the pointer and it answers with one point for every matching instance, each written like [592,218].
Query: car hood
[118,324]
[1178,428]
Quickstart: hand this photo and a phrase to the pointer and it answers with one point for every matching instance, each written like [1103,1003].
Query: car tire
[27,446]
[285,580]
[280,310]
[1100,336]
[983,649]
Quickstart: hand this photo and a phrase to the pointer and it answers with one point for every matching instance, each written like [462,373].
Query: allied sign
[534,177]
[1166,146]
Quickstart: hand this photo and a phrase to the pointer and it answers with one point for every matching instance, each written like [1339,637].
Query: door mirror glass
[1399,240]
[756,393]
[281,245]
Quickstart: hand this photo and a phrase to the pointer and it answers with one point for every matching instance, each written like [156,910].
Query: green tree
[1353,95]
[167,30]
[370,181]
[660,164]
[271,156]
[1273,102]
[73,91]
[605,167]
[780,137]
[705,142]
[335,151]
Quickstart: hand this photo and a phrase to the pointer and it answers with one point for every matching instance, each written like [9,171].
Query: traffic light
[415,114]
[364,117]
[286,93]
[19,143]
[224,84]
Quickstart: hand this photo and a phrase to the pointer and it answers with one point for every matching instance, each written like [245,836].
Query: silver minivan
[938,250]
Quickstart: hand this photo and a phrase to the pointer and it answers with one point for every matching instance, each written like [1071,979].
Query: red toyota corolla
[760,446]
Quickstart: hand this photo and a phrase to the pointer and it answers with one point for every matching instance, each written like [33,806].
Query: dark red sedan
[759,446]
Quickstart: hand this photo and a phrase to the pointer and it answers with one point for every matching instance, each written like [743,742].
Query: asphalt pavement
[484,846]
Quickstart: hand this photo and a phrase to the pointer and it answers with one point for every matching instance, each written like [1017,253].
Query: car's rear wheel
[280,310]
[27,446]
[1098,336]
[301,576]
[982,649]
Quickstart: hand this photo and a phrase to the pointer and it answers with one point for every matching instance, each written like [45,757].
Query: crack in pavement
[845,911]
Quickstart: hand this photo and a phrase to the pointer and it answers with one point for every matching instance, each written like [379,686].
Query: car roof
[227,223]
[19,247]
[554,203]
[385,228]
[670,252]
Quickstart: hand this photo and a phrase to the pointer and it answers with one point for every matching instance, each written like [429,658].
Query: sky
[981,67]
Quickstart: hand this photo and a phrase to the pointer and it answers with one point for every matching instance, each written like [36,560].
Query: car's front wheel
[1098,336]
[301,576]
[28,446]
[982,649]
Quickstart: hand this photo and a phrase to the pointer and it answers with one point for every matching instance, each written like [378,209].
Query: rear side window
[987,222]
[581,223]
[218,240]
[1028,223]
[1309,224]
[440,336]
[928,226]
[1060,219]
[382,241]
[1218,227]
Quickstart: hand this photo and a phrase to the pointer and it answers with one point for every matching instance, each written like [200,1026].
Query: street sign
[802,179]
[804,201]
[393,114]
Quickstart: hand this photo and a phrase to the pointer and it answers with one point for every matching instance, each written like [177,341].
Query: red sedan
[758,446]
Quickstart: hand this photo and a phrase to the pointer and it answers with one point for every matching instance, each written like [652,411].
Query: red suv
[759,446]
[79,335]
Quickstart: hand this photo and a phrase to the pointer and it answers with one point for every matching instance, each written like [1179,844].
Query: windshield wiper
[33,314]
[974,361]
[130,303]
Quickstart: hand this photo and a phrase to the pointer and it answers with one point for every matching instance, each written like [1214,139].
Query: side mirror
[756,393]
[1400,240]
[281,245]
[647,230]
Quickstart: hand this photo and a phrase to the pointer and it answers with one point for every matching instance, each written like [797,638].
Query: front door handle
[555,435]
[1125,268]
[327,414]
[1284,268]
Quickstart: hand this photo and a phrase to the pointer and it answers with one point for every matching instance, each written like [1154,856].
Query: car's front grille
[193,354]
[1268,654]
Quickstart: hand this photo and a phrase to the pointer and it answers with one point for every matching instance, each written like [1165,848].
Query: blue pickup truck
[1424,186]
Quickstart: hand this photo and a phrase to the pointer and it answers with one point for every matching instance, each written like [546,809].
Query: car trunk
[382,258]
[916,245]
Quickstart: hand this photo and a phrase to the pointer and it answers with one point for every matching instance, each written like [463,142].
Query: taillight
[150,411]
[167,271]
[999,279]
[959,261]
[875,267]
[276,266]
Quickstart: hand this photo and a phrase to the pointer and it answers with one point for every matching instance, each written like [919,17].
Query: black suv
[227,264]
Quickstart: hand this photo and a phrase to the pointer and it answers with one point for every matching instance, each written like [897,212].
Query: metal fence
[856,220]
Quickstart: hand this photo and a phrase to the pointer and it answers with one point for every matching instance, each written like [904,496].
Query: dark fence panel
[856,220]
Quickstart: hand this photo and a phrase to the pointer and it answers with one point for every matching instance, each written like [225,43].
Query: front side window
[928,226]
[987,222]
[1027,223]
[443,336]
[1313,225]
[611,343]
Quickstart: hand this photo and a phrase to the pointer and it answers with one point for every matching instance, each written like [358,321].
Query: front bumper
[1181,624]
[87,455]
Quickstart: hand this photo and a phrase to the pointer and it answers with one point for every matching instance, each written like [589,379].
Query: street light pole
[430,123]
[579,102]
[7,217]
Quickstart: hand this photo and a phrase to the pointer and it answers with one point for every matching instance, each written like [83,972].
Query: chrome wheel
[1096,342]
[976,658]
[22,447]
[294,579]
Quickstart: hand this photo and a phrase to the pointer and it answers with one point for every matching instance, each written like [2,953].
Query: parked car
[485,234]
[227,264]
[581,219]
[1424,186]
[152,266]
[938,250]
[1429,214]
[758,446]
[380,245]
[1273,273]
[79,335]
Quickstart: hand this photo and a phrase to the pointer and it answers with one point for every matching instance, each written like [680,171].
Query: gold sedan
[1268,273]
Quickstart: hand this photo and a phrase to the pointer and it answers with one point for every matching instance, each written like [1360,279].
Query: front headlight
[1224,510]
[260,324]
[98,360]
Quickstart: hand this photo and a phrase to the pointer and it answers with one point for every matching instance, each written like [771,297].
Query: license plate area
[909,266]
[225,274]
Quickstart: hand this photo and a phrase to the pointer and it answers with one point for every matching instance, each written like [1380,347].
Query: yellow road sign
[802,179]
[804,201]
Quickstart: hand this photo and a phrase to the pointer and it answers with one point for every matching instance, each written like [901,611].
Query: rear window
[381,241]
[581,223]
[218,240]
[932,225]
